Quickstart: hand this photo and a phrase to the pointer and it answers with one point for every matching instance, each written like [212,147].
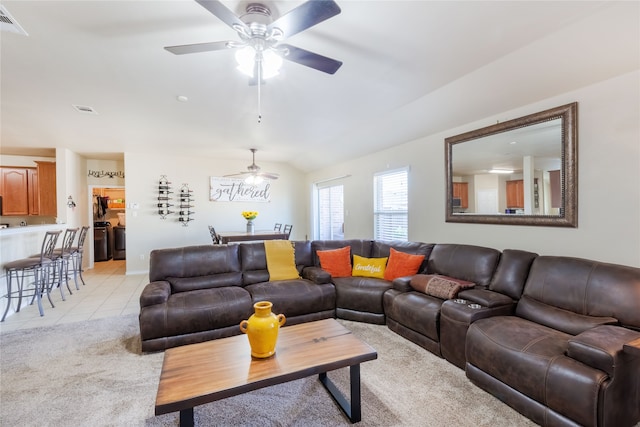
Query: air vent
[9,24]
[85,109]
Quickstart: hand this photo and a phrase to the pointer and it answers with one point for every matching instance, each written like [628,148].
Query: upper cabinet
[14,186]
[515,194]
[47,188]
[461,192]
[29,191]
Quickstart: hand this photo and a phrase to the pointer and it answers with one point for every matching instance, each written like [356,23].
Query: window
[390,199]
[331,212]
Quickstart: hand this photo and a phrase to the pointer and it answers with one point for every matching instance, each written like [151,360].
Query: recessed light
[500,171]
[182,98]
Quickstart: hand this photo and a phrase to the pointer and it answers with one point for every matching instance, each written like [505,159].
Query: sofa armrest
[605,347]
[317,275]
[155,293]
[402,284]
[632,347]
[485,297]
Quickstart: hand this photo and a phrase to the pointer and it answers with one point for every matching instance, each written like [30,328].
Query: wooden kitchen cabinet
[461,191]
[32,192]
[29,191]
[14,187]
[47,189]
[515,194]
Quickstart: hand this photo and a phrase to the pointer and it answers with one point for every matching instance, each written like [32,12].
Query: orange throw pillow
[402,264]
[337,261]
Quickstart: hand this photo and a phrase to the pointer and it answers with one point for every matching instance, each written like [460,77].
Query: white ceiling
[411,68]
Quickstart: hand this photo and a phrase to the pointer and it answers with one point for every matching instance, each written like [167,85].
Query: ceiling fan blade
[305,16]
[269,175]
[196,48]
[237,174]
[310,59]
[224,14]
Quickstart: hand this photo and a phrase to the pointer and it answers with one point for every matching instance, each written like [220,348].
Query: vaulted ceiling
[411,68]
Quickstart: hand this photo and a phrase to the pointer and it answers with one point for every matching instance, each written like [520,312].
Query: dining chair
[277,227]
[37,267]
[215,237]
[287,230]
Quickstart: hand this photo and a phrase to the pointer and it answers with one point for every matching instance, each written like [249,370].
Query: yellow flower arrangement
[249,215]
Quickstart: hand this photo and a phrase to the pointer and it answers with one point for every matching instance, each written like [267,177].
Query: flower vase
[262,329]
[250,226]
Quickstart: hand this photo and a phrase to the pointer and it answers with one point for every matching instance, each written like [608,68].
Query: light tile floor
[108,292]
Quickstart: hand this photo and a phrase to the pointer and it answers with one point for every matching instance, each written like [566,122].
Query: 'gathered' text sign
[236,190]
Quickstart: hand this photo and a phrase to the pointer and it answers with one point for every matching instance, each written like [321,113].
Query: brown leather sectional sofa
[556,338]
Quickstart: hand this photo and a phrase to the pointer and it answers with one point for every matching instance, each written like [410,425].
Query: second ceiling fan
[261,39]
[253,173]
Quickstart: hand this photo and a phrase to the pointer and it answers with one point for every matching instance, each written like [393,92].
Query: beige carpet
[92,374]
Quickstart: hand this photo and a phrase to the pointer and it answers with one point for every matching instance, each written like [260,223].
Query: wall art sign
[237,190]
[102,174]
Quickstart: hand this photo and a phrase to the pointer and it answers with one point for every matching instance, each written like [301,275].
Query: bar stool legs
[36,267]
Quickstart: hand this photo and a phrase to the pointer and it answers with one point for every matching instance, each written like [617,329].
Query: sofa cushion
[336,261]
[205,309]
[402,264]
[196,267]
[530,358]
[557,318]
[361,293]
[295,297]
[358,246]
[512,272]
[281,262]
[369,267]
[473,263]
[186,284]
[416,311]
[585,287]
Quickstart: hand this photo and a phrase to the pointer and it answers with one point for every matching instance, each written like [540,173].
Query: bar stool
[277,227]
[77,253]
[62,257]
[287,230]
[37,267]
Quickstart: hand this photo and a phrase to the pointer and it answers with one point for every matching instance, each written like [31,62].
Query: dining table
[243,236]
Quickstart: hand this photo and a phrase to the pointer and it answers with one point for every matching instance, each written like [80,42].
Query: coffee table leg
[353,409]
[186,418]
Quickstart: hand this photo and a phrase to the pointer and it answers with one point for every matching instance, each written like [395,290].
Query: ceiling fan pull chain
[259,91]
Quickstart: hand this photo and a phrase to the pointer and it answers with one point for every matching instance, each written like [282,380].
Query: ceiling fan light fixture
[246,59]
[269,60]
[271,63]
[253,179]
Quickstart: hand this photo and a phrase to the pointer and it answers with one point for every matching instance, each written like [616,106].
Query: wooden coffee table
[196,374]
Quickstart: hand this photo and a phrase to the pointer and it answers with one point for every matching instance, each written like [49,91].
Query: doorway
[107,215]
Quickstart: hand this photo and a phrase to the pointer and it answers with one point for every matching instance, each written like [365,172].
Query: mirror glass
[522,171]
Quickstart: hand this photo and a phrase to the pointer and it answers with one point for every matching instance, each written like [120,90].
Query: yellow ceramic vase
[262,329]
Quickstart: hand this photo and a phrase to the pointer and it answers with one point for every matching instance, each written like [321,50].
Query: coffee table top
[201,373]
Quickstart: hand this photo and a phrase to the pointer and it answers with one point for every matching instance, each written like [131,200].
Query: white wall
[608,182]
[147,231]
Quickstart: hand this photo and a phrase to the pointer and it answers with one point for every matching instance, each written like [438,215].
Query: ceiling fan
[254,176]
[263,37]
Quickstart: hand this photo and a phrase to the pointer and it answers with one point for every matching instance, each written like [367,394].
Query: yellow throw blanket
[281,261]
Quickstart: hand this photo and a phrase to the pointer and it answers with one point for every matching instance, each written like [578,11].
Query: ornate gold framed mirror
[521,172]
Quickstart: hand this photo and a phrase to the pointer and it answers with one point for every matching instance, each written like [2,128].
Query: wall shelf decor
[186,198]
[164,197]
